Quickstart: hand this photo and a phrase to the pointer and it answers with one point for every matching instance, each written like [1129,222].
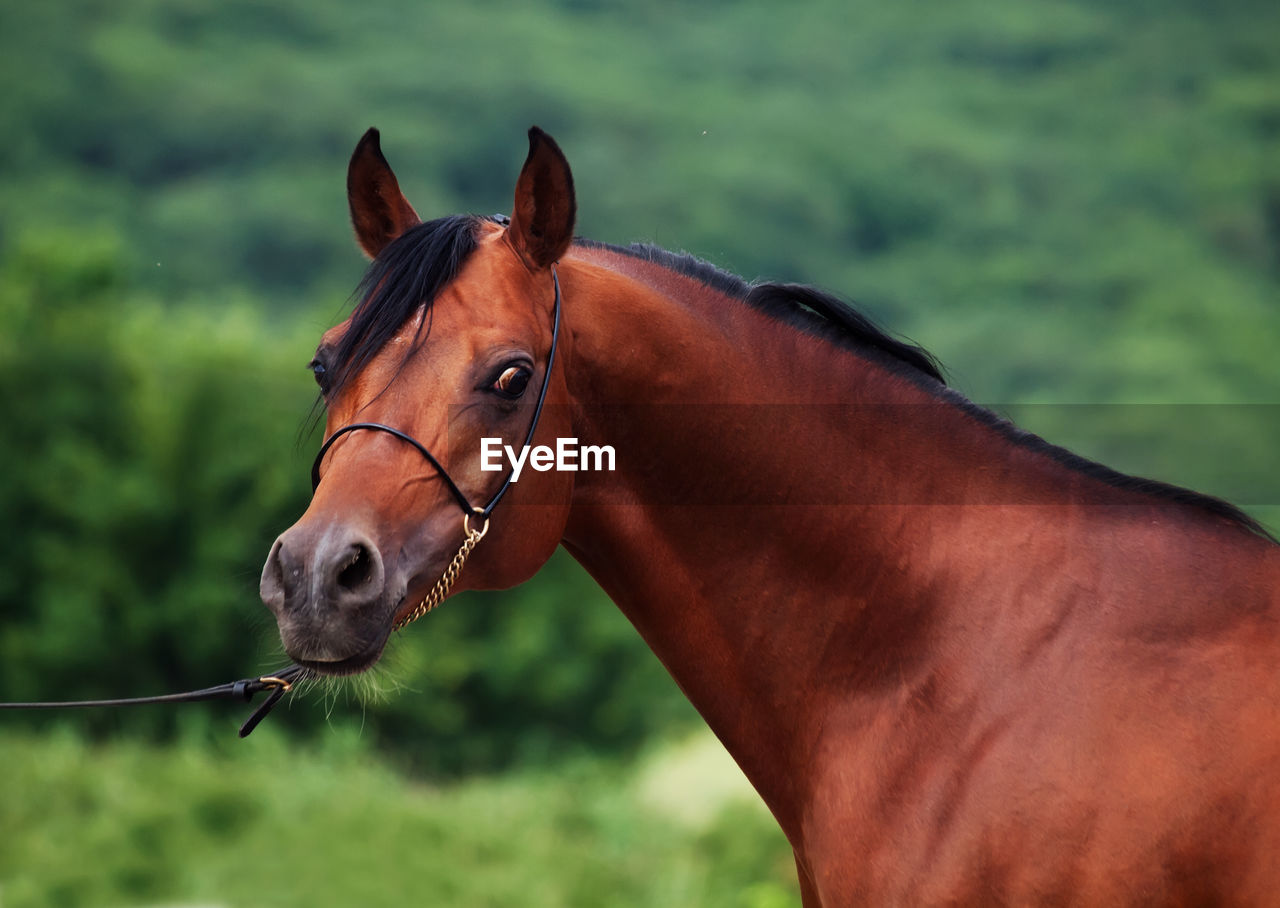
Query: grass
[260,822]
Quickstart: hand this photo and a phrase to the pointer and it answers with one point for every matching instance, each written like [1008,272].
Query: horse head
[449,345]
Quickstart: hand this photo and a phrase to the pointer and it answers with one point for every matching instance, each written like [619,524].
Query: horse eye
[512,382]
[320,372]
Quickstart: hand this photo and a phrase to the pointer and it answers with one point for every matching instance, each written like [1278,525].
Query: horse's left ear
[544,211]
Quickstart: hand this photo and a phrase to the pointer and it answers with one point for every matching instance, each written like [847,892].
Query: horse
[959,664]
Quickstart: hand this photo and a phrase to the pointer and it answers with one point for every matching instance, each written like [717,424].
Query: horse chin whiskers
[376,685]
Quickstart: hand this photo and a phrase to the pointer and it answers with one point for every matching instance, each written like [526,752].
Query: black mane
[414,267]
[407,273]
[800,306]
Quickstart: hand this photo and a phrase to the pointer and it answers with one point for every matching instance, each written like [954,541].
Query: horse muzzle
[327,588]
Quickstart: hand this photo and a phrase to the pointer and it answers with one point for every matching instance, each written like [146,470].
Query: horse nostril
[278,578]
[308,572]
[355,575]
[356,572]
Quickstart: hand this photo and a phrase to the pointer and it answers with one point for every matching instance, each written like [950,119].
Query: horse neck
[763,529]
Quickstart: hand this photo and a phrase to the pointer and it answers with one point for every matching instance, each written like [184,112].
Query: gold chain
[450,576]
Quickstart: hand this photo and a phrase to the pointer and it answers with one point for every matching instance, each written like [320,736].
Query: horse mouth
[404,613]
[350,665]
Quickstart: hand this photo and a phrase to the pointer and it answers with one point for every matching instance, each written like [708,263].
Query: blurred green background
[1075,205]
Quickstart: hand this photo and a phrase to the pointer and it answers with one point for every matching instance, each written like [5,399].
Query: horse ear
[379,211]
[544,211]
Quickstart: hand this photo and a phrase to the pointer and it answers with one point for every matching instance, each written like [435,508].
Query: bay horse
[959,664]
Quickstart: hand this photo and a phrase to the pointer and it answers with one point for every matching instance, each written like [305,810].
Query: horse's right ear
[379,211]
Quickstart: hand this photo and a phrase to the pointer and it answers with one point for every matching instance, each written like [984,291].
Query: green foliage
[1091,189]
[136,475]
[269,823]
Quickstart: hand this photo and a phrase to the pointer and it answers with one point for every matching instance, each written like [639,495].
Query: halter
[472,534]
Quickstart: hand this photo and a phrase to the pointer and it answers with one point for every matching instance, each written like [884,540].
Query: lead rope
[440,591]
[278,683]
